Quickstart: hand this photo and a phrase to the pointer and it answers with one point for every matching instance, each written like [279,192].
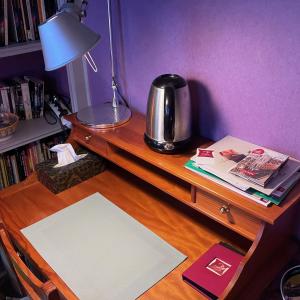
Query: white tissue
[65,154]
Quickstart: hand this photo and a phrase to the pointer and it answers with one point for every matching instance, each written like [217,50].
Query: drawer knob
[87,137]
[225,209]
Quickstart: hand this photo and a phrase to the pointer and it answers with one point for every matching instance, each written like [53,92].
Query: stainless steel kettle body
[168,119]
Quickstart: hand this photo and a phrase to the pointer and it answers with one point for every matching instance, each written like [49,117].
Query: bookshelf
[29,131]
[36,130]
[20,48]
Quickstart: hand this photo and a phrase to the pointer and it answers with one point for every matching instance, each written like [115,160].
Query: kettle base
[166,147]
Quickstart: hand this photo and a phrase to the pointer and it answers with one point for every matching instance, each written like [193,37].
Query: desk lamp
[65,38]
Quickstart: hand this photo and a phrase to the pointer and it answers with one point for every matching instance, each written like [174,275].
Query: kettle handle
[169,114]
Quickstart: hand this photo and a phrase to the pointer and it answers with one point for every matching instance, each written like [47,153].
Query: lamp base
[104,115]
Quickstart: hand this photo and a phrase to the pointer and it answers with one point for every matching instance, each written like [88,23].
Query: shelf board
[29,131]
[161,179]
[20,48]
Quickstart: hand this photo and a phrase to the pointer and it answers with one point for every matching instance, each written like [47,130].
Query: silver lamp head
[64,39]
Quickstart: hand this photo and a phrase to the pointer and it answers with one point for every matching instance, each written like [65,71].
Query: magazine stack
[258,173]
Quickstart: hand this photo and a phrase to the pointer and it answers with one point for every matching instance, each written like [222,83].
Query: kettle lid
[165,80]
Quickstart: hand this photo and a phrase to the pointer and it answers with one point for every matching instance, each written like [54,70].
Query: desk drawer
[90,140]
[227,214]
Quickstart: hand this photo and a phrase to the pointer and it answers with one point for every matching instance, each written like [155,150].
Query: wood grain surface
[186,230]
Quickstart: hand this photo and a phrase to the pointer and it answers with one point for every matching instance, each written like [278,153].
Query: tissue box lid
[62,178]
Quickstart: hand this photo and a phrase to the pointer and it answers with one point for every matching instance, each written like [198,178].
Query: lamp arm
[113,82]
[110,38]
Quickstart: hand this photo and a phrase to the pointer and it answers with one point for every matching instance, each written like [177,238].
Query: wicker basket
[8,125]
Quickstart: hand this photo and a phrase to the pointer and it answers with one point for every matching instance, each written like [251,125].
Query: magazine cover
[259,166]
[231,151]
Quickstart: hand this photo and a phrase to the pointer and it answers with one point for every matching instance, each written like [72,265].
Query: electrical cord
[65,130]
[49,112]
[52,114]
[288,274]
[119,93]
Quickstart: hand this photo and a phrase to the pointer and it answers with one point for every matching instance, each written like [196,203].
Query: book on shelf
[35,18]
[18,21]
[47,8]
[3,23]
[37,95]
[259,166]
[27,19]
[231,151]
[4,102]
[7,98]
[12,26]
[4,178]
[15,168]
[24,18]
[211,273]
[41,11]
[23,98]
[2,28]
[21,19]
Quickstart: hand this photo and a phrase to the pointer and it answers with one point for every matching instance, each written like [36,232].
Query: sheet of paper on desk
[101,252]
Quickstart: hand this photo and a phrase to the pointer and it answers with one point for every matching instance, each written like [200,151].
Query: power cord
[52,115]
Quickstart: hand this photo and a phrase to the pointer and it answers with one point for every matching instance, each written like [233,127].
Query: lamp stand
[109,114]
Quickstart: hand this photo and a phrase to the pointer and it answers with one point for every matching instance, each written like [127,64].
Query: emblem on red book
[218,266]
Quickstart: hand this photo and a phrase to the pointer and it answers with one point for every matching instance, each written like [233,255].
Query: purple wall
[33,64]
[241,59]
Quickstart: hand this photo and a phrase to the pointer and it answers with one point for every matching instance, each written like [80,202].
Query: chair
[21,277]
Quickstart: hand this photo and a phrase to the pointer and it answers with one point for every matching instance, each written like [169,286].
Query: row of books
[258,173]
[19,19]
[17,164]
[23,96]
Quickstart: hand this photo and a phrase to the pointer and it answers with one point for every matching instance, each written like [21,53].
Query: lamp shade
[64,39]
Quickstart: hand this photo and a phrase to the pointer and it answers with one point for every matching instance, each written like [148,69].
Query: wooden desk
[192,224]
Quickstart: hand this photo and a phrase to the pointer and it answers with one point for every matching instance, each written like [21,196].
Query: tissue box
[62,178]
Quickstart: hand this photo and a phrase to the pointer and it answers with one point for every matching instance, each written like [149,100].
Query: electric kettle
[168,119]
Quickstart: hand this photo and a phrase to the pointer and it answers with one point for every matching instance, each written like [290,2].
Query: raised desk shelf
[129,138]
[29,131]
[158,178]
[124,146]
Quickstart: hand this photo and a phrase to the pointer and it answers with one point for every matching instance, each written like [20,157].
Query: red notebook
[211,273]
